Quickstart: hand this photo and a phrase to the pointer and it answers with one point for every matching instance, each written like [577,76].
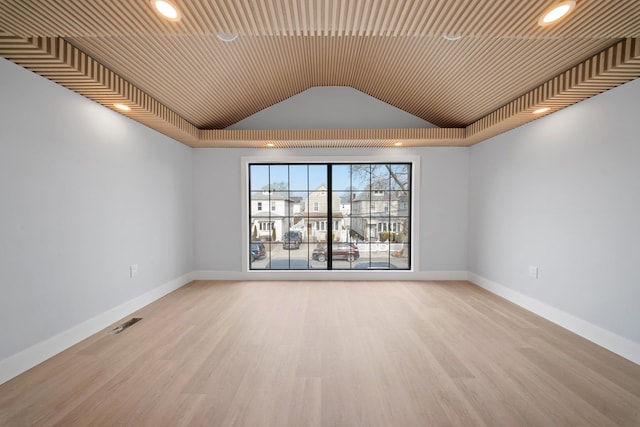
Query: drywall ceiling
[331,107]
[182,80]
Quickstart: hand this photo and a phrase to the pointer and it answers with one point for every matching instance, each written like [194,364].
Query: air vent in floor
[125,325]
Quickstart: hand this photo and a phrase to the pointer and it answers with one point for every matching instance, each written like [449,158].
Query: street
[297,259]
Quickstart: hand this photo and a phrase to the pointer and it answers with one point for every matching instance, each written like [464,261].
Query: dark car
[291,239]
[347,251]
[257,251]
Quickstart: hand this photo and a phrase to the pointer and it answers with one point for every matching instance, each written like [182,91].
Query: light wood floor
[329,354]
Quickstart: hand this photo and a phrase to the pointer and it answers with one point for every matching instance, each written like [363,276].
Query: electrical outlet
[133,270]
[533,271]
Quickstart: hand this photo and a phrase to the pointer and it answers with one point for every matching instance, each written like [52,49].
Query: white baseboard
[622,346]
[38,353]
[441,275]
[329,275]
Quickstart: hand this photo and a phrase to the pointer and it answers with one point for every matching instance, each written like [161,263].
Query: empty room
[319,213]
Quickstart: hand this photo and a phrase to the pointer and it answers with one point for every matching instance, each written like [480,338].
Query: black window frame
[405,204]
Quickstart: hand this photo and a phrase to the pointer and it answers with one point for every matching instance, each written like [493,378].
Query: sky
[308,177]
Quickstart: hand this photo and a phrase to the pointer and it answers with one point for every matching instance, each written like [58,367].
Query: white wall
[441,192]
[331,107]
[84,193]
[563,193]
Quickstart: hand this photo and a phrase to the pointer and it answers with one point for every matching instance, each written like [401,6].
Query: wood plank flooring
[329,354]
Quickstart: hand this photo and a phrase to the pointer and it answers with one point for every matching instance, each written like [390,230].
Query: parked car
[291,239]
[347,251]
[257,251]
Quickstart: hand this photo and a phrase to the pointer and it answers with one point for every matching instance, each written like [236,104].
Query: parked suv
[257,251]
[291,239]
[347,251]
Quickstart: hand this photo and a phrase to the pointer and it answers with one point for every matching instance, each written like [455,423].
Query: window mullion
[329,217]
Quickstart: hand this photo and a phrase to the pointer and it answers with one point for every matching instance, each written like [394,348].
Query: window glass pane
[259,203]
[400,177]
[341,177]
[317,176]
[342,215]
[400,181]
[360,177]
[380,177]
[298,177]
[343,198]
[259,176]
[279,177]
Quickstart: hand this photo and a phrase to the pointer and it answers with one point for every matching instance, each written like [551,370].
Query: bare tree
[369,176]
[276,186]
[384,177]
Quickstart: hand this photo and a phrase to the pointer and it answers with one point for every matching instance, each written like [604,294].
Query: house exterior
[379,214]
[316,216]
[345,210]
[297,205]
[374,214]
[272,210]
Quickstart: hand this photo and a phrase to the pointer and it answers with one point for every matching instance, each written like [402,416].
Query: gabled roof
[273,195]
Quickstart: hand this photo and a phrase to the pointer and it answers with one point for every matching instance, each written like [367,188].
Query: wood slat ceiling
[180,79]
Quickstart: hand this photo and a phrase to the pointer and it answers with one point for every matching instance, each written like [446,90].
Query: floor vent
[125,325]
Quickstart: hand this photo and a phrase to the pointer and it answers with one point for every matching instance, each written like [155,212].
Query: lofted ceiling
[182,80]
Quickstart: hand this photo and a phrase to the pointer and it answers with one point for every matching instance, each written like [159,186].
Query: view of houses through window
[332,216]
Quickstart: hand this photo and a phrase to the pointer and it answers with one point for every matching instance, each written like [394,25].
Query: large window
[332,216]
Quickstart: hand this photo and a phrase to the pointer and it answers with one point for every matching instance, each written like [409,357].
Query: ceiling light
[556,12]
[122,107]
[451,37]
[270,144]
[541,110]
[167,9]
[398,144]
[227,37]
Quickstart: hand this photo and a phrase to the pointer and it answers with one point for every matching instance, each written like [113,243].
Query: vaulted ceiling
[179,78]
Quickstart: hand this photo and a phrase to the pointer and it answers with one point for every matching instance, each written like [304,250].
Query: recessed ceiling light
[451,37]
[556,12]
[227,37]
[270,144]
[122,107]
[541,110]
[398,144]
[167,9]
